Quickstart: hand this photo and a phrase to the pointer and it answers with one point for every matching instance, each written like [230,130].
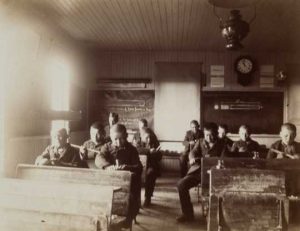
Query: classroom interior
[68,63]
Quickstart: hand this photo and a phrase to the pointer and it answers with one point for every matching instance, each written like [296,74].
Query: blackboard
[262,111]
[131,105]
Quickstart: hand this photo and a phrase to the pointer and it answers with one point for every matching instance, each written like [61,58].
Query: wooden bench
[42,205]
[247,199]
[120,179]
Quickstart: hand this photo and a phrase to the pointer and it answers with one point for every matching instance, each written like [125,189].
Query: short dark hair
[290,127]
[213,127]
[144,121]
[195,122]
[61,131]
[98,125]
[115,116]
[120,128]
[224,126]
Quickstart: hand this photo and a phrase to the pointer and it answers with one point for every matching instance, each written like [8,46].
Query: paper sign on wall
[267,70]
[266,82]
[217,70]
[216,81]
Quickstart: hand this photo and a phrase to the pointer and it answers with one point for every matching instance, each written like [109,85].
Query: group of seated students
[109,148]
[213,142]
[111,151]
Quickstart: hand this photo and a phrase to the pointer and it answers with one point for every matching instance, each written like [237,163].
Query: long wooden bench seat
[91,177]
[35,204]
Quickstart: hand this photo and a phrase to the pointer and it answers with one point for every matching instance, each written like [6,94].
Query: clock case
[245,79]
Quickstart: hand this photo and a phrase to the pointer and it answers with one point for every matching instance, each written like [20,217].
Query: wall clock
[244,67]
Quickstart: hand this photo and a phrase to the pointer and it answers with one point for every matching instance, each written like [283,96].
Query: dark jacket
[227,145]
[293,149]
[126,156]
[248,146]
[191,136]
[66,157]
[129,157]
[202,150]
[153,158]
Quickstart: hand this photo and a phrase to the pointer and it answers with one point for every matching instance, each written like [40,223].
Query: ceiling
[170,24]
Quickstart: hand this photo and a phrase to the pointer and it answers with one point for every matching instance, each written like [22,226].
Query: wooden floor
[161,215]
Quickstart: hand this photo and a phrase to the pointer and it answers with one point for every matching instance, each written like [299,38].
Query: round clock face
[244,65]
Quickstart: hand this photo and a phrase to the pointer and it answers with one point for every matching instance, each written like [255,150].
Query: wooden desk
[30,203]
[290,167]
[83,176]
[247,199]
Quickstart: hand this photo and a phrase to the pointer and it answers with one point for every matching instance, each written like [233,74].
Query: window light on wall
[59,79]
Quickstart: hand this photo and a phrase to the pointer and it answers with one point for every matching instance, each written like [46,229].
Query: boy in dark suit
[119,154]
[190,139]
[245,144]
[150,146]
[209,146]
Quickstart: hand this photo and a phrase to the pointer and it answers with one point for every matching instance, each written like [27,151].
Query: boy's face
[118,139]
[244,134]
[194,128]
[145,138]
[221,132]
[95,135]
[208,136]
[111,120]
[141,125]
[287,136]
[60,139]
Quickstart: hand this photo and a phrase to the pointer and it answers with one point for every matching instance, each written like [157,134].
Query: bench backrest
[85,176]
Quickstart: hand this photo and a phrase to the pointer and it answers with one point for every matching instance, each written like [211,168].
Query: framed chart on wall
[262,111]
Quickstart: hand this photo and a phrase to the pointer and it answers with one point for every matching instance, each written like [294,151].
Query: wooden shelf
[243,89]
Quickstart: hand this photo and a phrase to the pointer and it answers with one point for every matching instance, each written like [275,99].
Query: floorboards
[161,215]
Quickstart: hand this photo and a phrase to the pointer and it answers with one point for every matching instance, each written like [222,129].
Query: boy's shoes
[184,218]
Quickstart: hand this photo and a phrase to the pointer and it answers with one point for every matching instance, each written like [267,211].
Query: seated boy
[137,139]
[222,135]
[119,154]
[287,147]
[113,118]
[245,144]
[60,153]
[190,139]
[209,146]
[96,141]
[150,146]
